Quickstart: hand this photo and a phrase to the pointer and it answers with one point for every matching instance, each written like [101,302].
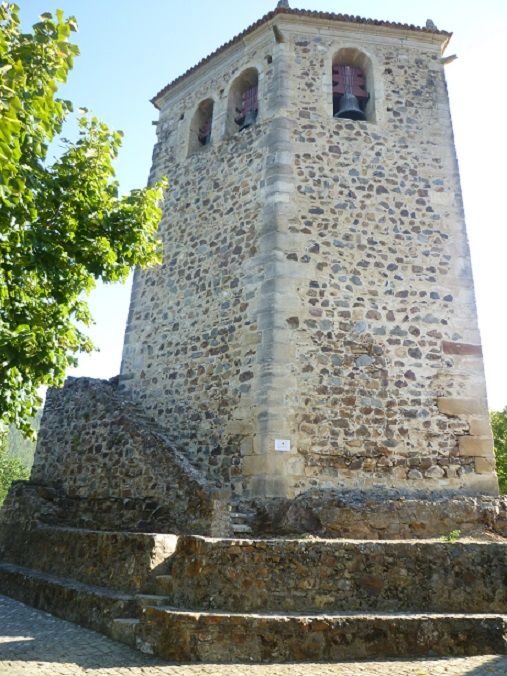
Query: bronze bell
[349,108]
[249,119]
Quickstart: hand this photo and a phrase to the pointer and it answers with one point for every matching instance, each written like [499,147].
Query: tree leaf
[62,225]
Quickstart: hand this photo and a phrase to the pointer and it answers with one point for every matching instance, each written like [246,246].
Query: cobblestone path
[38,644]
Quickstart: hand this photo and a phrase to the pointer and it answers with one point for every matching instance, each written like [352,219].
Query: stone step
[185,636]
[153,600]
[240,516]
[124,629]
[148,623]
[241,528]
[88,605]
[243,575]
[119,560]
[164,585]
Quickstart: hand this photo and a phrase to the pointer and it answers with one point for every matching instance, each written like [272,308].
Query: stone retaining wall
[330,575]
[196,637]
[102,464]
[121,561]
[376,515]
[92,607]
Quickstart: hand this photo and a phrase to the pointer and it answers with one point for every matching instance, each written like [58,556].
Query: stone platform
[34,643]
[193,598]
[373,514]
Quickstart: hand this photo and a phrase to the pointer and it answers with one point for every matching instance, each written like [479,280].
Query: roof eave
[328,16]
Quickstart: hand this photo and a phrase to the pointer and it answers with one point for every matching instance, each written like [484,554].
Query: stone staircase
[190,598]
[241,522]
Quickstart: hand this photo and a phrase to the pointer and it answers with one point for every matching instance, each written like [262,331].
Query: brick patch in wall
[461,348]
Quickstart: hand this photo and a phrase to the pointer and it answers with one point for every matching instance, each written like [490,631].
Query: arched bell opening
[352,85]
[201,126]
[243,104]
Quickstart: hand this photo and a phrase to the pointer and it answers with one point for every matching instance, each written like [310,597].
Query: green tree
[62,223]
[20,446]
[11,468]
[499,426]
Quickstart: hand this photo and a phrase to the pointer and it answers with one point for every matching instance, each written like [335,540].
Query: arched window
[352,80]
[200,127]
[243,105]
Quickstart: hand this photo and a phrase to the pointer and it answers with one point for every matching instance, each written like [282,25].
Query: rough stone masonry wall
[195,336]
[193,331]
[390,384]
[325,575]
[100,463]
[316,284]
[377,515]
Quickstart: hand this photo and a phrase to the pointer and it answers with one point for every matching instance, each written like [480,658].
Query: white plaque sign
[282,444]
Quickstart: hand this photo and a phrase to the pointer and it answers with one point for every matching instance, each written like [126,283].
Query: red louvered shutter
[249,108]
[249,101]
[349,79]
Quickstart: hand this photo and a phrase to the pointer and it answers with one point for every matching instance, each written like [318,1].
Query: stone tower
[306,360]
[313,324]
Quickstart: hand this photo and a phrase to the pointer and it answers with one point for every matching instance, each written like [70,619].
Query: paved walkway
[37,644]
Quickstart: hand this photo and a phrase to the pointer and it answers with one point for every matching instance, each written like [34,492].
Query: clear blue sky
[131,49]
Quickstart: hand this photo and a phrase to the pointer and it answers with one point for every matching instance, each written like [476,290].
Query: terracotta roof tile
[328,16]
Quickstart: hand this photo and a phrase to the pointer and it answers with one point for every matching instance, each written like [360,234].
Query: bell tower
[304,362]
[313,323]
